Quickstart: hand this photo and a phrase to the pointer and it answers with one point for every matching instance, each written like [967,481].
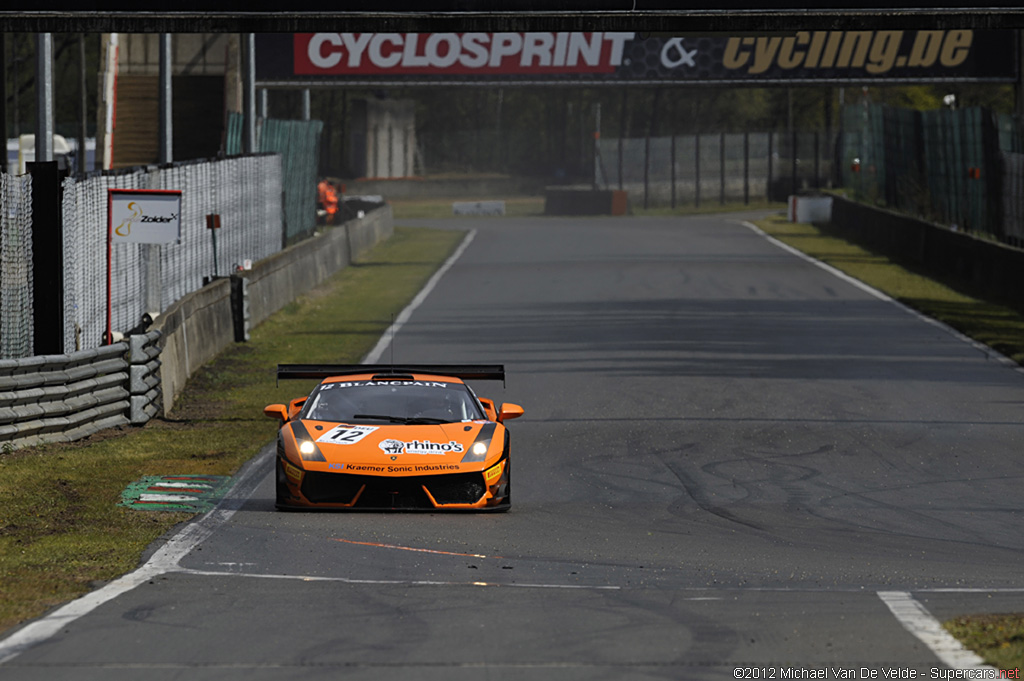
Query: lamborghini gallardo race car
[382,437]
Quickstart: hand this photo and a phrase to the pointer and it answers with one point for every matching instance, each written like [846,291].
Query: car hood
[370,444]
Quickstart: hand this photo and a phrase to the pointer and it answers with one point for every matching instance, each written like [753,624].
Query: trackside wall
[989,268]
[195,328]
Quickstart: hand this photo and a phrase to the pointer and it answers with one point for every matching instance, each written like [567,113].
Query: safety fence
[146,278]
[718,167]
[958,167]
[60,398]
[1013,198]
[298,143]
[15,266]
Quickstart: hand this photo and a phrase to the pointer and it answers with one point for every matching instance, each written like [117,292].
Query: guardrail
[60,398]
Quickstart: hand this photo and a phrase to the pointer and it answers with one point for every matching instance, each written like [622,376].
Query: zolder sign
[623,57]
[144,216]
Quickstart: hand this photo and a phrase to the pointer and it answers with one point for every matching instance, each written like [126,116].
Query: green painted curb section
[194,493]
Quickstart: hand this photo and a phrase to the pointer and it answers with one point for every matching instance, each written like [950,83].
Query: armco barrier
[200,325]
[60,398]
[990,269]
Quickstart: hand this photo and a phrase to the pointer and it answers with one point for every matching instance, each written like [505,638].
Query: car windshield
[392,401]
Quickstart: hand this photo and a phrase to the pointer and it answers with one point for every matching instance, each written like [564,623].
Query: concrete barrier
[195,328]
[200,325]
[366,232]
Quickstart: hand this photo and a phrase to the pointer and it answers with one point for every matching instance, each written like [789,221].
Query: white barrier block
[478,208]
[810,209]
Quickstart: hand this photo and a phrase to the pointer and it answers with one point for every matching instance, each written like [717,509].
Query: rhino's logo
[392,446]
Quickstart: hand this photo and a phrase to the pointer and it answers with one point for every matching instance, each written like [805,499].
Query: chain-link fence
[715,167]
[945,165]
[1013,198]
[298,143]
[16,311]
[244,191]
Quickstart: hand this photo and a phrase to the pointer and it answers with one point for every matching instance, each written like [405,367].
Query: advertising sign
[593,58]
[139,216]
[144,216]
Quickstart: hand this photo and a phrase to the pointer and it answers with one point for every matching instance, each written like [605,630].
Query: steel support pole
[696,170]
[746,168]
[3,97]
[248,45]
[306,105]
[83,106]
[47,262]
[44,97]
[166,99]
[721,168]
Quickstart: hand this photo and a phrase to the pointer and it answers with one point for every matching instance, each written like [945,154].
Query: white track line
[374,356]
[980,347]
[919,622]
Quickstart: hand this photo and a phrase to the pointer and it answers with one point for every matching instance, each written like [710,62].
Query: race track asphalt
[733,464]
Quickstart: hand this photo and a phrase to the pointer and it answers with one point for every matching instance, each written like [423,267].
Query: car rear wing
[474,372]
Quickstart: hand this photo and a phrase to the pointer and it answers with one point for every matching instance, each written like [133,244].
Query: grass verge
[997,639]
[61,530]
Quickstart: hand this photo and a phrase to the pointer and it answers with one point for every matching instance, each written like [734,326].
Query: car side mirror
[489,410]
[295,406]
[276,411]
[509,411]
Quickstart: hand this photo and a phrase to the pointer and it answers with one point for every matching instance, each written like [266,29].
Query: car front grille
[392,493]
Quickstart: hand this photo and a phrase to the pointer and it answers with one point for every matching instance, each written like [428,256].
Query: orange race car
[382,437]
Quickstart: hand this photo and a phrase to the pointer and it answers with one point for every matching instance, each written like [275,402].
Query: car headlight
[304,441]
[478,451]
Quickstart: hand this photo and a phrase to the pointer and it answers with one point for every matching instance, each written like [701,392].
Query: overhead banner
[593,58]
